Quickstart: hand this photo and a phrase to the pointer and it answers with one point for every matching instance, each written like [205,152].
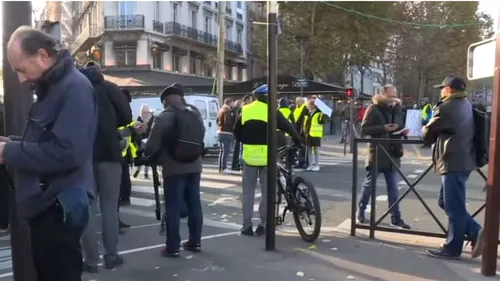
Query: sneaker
[170,254]
[123,225]
[315,169]
[260,230]
[89,268]
[136,174]
[227,171]
[399,223]
[361,217]
[191,247]
[112,262]
[477,245]
[146,176]
[247,231]
[442,253]
[309,168]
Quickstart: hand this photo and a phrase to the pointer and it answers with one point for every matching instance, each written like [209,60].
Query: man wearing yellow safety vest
[298,116]
[287,113]
[251,130]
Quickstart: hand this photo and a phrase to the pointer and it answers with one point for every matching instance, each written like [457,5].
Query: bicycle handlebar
[285,149]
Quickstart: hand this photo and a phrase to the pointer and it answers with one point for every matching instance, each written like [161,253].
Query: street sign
[301,82]
[481,59]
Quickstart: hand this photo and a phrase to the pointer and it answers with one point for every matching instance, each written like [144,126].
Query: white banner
[414,122]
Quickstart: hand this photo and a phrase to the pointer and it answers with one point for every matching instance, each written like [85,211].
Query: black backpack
[185,145]
[481,137]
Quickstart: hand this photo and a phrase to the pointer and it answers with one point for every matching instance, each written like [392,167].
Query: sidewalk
[335,256]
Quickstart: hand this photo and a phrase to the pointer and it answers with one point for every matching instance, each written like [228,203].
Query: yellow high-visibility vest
[132,146]
[424,111]
[316,129]
[254,154]
[297,112]
[287,112]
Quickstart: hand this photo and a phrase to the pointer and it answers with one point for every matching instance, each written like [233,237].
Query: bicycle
[303,203]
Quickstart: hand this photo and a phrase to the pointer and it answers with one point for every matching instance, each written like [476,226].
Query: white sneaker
[309,168]
[315,169]
[227,171]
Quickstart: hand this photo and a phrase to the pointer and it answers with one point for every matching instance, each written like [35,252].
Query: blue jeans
[390,175]
[452,201]
[177,189]
[225,142]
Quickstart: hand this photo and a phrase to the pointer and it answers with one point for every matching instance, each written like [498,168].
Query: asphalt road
[222,210]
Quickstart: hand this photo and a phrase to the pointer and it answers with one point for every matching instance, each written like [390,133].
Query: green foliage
[418,43]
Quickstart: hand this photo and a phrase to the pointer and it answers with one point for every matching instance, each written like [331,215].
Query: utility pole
[272,85]
[17,101]
[491,216]
[220,51]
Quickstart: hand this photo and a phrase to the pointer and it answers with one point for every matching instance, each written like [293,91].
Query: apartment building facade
[178,38]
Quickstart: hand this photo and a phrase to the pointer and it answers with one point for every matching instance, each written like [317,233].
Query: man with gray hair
[53,158]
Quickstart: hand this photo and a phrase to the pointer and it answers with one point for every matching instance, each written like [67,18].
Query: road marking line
[381,198]
[402,182]
[147,248]
[417,152]
[412,176]
[419,171]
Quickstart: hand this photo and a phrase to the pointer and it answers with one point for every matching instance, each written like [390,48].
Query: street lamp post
[302,39]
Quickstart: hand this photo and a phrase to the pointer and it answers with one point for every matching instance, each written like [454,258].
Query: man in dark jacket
[53,159]
[113,112]
[381,120]
[181,180]
[451,130]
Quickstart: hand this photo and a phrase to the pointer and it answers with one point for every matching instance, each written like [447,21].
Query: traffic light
[349,93]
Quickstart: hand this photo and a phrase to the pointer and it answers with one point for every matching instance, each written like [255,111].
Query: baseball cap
[454,82]
[262,90]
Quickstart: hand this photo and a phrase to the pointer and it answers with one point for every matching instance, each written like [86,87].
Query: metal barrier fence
[374,223]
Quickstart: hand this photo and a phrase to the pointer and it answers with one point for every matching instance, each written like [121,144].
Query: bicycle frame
[286,191]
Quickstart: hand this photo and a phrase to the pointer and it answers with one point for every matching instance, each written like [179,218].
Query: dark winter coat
[377,115]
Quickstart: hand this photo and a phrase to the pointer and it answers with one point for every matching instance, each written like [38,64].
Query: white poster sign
[323,107]
[414,122]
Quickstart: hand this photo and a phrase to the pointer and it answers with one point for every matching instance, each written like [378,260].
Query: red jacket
[361,113]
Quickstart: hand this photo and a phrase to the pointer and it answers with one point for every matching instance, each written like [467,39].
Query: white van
[208,105]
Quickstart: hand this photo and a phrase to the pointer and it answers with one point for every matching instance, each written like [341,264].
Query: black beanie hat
[174,89]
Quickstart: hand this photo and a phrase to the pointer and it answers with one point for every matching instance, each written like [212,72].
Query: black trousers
[4,201]
[235,163]
[55,247]
[126,184]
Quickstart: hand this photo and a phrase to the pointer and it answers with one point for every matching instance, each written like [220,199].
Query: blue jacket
[55,151]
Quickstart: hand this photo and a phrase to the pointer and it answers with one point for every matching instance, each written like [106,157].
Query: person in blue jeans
[381,119]
[225,127]
[451,132]
[181,180]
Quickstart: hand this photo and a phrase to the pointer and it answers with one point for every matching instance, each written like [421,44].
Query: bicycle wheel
[308,209]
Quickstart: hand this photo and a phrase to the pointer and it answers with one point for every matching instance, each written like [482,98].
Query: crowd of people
[79,141]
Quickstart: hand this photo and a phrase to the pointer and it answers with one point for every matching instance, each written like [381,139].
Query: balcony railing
[93,31]
[124,22]
[158,26]
[175,28]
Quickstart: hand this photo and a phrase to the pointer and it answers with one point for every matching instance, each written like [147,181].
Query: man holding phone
[383,119]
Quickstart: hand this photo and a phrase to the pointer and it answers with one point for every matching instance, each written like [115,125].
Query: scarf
[456,95]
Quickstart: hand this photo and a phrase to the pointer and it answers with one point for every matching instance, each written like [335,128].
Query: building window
[176,63]
[229,72]
[157,10]
[126,7]
[250,70]
[239,16]
[126,57]
[158,60]
[238,3]
[193,66]
[240,73]
[208,24]
[194,18]
[175,12]
[208,71]
[228,32]
[239,36]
